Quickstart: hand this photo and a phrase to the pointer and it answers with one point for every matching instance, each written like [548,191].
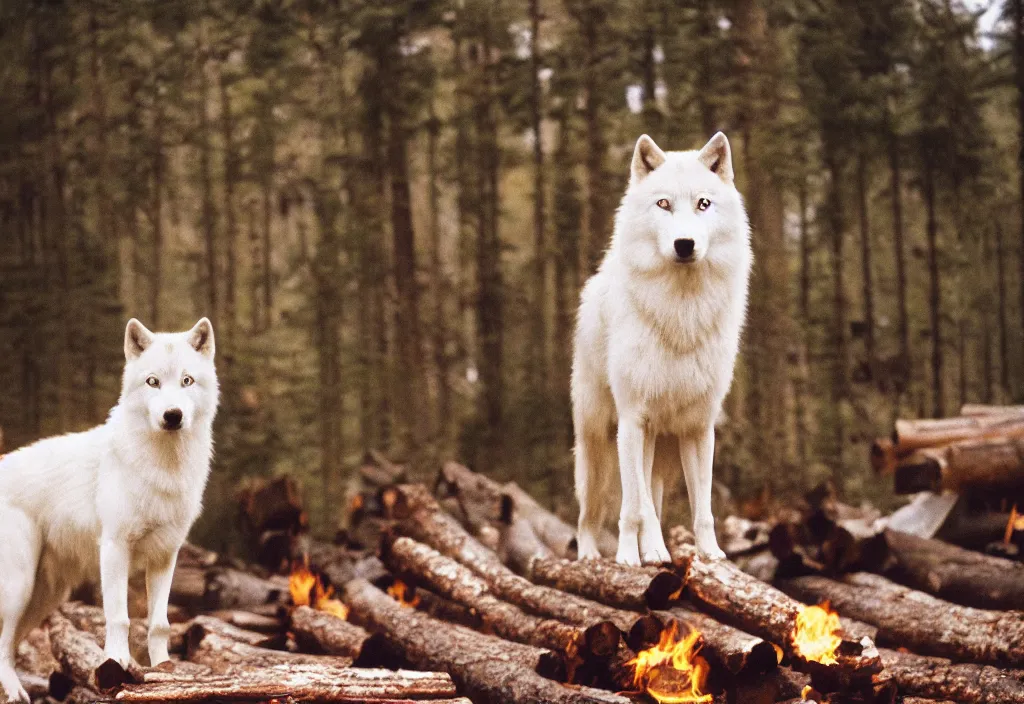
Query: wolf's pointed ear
[647,156]
[717,156]
[136,339]
[201,338]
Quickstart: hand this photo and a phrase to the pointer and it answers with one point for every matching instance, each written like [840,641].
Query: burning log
[228,588]
[989,463]
[422,520]
[913,619]
[727,648]
[326,633]
[486,668]
[608,582]
[938,678]
[298,683]
[447,577]
[954,574]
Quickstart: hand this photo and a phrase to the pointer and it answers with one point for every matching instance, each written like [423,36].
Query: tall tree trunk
[410,349]
[539,336]
[984,311]
[465,198]
[769,320]
[266,250]
[839,352]
[803,374]
[490,288]
[1004,349]
[1018,55]
[596,211]
[230,321]
[934,288]
[896,196]
[208,212]
[157,209]
[865,260]
[438,283]
[705,78]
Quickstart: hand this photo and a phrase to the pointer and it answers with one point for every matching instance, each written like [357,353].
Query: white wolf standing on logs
[656,342]
[113,500]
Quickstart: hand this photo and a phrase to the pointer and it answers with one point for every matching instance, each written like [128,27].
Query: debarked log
[913,619]
[608,582]
[910,435]
[486,668]
[955,574]
[419,563]
[301,683]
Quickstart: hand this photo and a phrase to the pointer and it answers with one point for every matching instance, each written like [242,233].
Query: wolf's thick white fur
[656,343]
[114,500]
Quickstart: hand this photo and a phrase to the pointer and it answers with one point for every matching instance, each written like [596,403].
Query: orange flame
[816,636]
[403,594]
[307,589]
[672,672]
[807,694]
[1015,523]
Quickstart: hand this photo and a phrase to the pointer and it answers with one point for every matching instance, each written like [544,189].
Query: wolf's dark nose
[172,419]
[684,248]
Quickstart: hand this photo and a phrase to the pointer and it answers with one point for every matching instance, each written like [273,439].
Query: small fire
[817,634]
[403,594]
[1015,523]
[672,672]
[307,589]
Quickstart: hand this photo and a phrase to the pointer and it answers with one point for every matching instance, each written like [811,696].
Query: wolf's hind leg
[595,475]
[20,544]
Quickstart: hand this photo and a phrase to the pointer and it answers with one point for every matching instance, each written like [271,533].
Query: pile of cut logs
[468,591]
[978,457]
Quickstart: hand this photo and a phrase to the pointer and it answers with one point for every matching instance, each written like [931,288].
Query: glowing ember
[672,672]
[1015,523]
[307,589]
[403,594]
[816,636]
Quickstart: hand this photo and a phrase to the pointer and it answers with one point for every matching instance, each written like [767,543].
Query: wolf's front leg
[639,529]
[115,561]
[698,456]
[158,590]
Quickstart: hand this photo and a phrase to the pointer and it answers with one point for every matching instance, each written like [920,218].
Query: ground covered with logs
[467,590]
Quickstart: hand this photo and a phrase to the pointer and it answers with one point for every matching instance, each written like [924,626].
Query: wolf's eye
[153,381]
[664,204]
[187,380]
[703,204]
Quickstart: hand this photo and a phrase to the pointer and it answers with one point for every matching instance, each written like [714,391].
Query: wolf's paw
[657,556]
[710,549]
[628,552]
[121,657]
[12,689]
[587,547]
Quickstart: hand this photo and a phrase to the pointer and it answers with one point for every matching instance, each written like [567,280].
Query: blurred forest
[388,210]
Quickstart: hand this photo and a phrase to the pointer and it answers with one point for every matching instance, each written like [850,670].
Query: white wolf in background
[113,500]
[658,332]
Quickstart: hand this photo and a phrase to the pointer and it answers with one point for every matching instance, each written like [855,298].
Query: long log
[727,648]
[479,498]
[993,464]
[421,519]
[326,633]
[910,435]
[248,620]
[226,656]
[982,409]
[938,678]
[558,535]
[913,619]
[954,574]
[420,563]
[486,668]
[299,683]
[608,582]
[201,626]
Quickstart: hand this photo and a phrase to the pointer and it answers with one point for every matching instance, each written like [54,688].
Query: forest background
[388,210]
